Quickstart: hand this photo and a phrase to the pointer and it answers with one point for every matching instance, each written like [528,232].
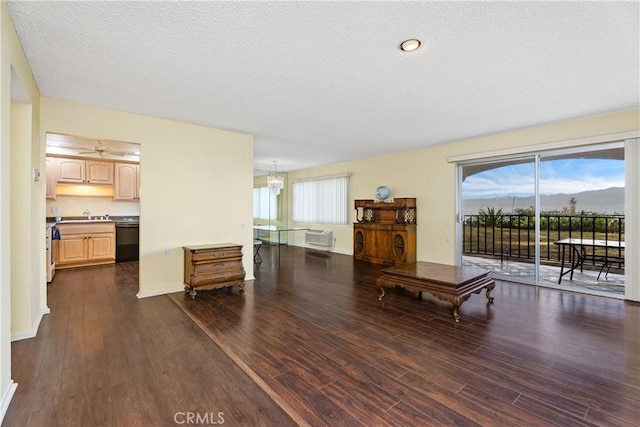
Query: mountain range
[609,201]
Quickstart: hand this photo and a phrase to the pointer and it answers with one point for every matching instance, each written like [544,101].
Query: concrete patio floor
[586,281]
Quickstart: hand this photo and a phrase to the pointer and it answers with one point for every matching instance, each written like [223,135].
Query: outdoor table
[578,254]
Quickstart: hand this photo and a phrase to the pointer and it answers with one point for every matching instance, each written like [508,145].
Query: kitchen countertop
[83,219]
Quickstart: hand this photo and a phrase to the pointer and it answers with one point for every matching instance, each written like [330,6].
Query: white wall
[196,184]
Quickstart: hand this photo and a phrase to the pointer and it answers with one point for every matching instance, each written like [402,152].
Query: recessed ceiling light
[410,45]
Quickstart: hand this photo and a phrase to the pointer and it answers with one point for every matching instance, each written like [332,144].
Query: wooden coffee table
[445,282]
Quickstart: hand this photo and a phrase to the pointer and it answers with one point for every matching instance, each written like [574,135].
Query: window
[322,200]
[265,204]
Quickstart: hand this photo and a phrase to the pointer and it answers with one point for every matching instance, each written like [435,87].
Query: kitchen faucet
[87,212]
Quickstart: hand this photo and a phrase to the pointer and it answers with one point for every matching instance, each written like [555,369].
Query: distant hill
[610,201]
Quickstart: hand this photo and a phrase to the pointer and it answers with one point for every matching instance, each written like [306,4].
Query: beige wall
[196,184]
[24,282]
[16,234]
[427,175]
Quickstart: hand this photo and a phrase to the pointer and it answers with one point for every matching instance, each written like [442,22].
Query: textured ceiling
[323,82]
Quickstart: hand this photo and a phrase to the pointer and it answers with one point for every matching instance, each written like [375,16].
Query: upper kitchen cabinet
[127,181]
[78,171]
[51,177]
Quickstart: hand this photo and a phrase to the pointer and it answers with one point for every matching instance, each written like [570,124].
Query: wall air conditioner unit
[319,238]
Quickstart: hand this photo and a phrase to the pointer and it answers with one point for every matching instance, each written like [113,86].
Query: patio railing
[512,236]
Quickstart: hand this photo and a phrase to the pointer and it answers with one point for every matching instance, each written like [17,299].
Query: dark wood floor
[312,334]
[105,358]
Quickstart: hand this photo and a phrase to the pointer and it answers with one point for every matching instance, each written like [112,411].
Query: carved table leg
[489,288]
[241,288]
[381,293]
[456,316]
[457,303]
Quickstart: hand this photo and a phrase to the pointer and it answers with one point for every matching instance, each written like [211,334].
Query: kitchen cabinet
[78,171]
[51,175]
[83,244]
[126,181]
[213,266]
[385,232]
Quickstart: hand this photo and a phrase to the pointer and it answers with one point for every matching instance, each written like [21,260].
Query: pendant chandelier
[275,182]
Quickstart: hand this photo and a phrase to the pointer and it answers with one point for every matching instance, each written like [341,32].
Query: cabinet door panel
[370,244]
[72,249]
[399,246]
[71,170]
[126,182]
[101,246]
[384,244]
[51,177]
[99,172]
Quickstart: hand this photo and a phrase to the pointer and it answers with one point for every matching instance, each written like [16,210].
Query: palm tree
[491,217]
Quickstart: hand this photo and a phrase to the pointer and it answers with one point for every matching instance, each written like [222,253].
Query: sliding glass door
[498,211]
[582,219]
[554,218]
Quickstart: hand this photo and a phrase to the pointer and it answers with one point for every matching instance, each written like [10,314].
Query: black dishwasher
[127,234]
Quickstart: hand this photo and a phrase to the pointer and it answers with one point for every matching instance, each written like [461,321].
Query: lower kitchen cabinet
[86,244]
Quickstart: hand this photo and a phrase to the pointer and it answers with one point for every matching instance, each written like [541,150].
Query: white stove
[50,259]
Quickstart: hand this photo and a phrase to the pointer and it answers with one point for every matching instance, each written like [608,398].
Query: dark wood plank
[104,357]
[412,352]
[309,343]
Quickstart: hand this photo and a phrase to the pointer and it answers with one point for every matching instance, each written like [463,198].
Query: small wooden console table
[445,282]
[212,266]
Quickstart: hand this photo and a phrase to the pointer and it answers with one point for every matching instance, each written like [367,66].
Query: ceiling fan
[102,150]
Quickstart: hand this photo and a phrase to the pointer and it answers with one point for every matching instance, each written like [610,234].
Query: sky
[566,176]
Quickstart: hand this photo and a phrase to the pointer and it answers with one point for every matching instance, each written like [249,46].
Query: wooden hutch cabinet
[385,232]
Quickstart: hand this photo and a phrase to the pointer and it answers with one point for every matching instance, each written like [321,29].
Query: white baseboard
[342,252]
[321,248]
[141,295]
[34,328]
[6,399]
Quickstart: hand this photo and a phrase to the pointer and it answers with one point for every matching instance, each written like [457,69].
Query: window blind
[322,200]
[265,204]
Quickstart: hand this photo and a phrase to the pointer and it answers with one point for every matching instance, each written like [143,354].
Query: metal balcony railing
[512,236]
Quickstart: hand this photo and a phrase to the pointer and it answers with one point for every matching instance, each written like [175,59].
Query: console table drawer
[217,267]
[206,256]
[223,278]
